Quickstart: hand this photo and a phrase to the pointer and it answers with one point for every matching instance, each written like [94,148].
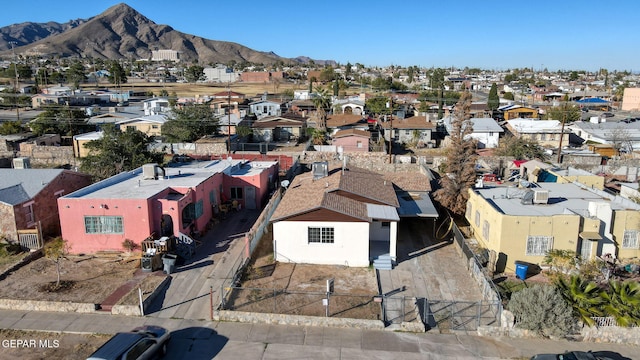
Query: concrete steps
[383,262]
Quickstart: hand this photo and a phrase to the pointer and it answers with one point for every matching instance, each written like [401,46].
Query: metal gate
[443,315]
[30,239]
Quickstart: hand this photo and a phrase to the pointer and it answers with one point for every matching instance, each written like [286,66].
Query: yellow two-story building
[523,224]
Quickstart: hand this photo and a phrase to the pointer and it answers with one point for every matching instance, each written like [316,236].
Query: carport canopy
[416,204]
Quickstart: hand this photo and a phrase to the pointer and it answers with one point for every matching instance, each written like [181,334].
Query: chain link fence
[282,301]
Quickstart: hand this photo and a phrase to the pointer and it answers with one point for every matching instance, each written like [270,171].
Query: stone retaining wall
[297,320]
[603,334]
[36,305]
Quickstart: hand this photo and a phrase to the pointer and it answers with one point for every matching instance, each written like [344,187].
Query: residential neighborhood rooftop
[20,185]
[133,185]
[563,199]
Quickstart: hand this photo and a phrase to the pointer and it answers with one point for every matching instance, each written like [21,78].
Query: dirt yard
[85,279]
[298,289]
[32,345]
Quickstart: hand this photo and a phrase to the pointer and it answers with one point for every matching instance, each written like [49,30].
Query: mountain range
[122,32]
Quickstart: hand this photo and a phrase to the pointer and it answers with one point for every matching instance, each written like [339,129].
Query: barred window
[630,239]
[477,218]
[103,225]
[538,245]
[323,235]
[469,210]
[485,230]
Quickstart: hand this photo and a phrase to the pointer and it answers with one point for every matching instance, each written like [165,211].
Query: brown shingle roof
[414,122]
[338,120]
[305,194]
[351,132]
[406,181]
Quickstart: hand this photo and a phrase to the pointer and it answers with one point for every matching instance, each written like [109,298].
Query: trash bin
[521,271]
[147,262]
[169,261]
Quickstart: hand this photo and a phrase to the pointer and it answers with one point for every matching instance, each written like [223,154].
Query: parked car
[607,114]
[570,355]
[145,342]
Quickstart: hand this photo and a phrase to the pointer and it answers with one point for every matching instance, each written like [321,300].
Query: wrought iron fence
[606,321]
[489,290]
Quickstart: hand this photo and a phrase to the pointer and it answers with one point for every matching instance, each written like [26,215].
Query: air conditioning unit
[152,171]
[540,196]
[21,163]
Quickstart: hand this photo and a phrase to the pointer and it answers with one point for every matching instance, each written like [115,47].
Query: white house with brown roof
[278,128]
[337,217]
[412,129]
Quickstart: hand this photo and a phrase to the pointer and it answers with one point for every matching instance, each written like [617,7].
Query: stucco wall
[351,246]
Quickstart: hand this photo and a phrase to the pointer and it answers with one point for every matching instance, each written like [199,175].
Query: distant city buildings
[162,55]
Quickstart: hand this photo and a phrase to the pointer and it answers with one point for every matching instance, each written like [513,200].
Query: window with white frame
[324,235]
[103,225]
[477,220]
[485,230]
[469,210]
[538,245]
[630,239]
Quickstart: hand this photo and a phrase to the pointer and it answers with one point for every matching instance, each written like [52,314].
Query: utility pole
[390,106]
[15,69]
[229,118]
[564,116]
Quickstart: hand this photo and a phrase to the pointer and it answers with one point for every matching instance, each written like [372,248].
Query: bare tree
[56,250]
[619,138]
[461,160]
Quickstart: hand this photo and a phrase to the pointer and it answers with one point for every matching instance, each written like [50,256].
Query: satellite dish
[284,183]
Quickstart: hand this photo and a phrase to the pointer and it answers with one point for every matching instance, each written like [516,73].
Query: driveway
[434,273]
[188,295]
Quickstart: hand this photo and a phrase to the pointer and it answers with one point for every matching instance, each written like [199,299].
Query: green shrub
[542,309]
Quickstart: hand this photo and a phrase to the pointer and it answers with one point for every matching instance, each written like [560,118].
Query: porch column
[393,234]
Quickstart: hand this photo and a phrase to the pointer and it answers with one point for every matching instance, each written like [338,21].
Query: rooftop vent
[320,169]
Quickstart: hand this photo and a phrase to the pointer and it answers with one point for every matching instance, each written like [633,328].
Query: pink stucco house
[160,201]
[352,140]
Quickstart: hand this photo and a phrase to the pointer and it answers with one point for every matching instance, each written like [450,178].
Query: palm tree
[623,302]
[318,136]
[583,296]
[322,101]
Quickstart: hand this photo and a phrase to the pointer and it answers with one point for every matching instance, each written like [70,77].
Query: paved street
[201,339]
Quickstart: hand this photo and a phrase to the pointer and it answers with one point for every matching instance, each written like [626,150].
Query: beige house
[541,172]
[79,142]
[150,125]
[524,224]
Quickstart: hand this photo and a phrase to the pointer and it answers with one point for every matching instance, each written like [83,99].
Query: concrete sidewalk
[202,339]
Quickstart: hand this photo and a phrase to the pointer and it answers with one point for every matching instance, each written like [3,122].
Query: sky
[488,34]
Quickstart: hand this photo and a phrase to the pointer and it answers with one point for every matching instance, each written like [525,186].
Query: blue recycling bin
[521,271]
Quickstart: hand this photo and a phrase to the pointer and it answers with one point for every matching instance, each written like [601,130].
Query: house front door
[250,197]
